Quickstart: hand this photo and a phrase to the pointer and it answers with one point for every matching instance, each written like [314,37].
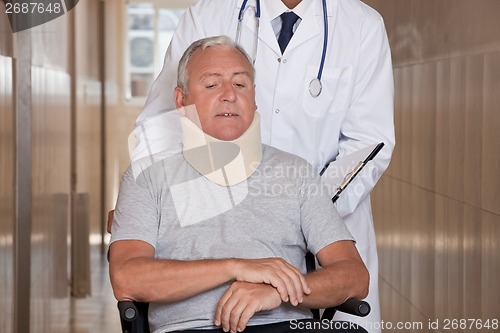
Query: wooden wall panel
[6,42]
[490,266]
[7,193]
[473,244]
[396,165]
[439,253]
[423,119]
[474,111]
[491,134]
[51,180]
[422,250]
[456,123]
[443,140]
[405,89]
[88,122]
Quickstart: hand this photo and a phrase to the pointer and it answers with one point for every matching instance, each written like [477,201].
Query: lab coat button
[279,59]
[277,111]
[284,61]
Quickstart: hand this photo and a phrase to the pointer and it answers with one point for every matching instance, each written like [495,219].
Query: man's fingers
[281,288]
[296,278]
[285,286]
[241,301]
[288,280]
[291,285]
[228,312]
[220,305]
[296,287]
[245,316]
[235,316]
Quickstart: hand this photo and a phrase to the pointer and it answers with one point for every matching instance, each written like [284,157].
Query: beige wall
[50,83]
[437,211]
[6,192]
[121,115]
[67,153]
[6,177]
[89,117]
[437,208]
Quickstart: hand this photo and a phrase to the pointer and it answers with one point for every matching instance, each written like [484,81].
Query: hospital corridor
[75,75]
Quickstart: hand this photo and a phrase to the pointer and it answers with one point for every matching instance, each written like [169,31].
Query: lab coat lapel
[310,26]
[266,33]
[267,36]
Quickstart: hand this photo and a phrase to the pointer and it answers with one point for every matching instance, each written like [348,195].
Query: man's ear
[179,97]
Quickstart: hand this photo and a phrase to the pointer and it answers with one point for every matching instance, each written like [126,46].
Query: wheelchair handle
[128,310]
[356,307]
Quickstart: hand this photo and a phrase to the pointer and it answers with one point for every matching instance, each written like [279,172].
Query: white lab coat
[354,110]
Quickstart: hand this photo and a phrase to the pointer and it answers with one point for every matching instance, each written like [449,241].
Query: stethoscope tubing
[315,83]
[242,10]
[325,41]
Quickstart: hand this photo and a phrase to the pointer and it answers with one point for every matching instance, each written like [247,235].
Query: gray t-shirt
[282,210]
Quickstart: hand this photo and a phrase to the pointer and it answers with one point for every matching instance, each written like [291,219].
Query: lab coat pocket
[336,88]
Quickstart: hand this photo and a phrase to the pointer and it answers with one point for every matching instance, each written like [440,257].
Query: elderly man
[215,237]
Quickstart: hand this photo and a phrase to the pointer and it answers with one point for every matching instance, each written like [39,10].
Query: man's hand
[288,280]
[241,301]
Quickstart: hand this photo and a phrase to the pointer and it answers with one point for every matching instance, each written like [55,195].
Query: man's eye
[240,85]
[210,85]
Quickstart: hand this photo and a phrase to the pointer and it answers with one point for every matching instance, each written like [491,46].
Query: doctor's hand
[241,301]
[288,280]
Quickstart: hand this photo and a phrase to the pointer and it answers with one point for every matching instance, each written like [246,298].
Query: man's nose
[228,93]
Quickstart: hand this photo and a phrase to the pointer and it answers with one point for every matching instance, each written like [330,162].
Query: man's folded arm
[141,277]
[136,275]
[342,275]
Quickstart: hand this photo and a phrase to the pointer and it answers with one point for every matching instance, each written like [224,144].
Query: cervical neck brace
[226,163]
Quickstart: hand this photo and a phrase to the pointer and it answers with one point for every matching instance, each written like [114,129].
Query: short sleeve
[321,223]
[137,210]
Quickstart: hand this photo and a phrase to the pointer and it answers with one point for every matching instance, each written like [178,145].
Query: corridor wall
[437,208]
[7,164]
[50,149]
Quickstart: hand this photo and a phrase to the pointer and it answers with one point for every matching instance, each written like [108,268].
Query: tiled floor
[98,313]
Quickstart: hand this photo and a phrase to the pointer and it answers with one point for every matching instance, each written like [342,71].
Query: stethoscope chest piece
[315,87]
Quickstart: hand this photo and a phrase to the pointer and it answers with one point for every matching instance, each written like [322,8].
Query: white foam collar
[226,163]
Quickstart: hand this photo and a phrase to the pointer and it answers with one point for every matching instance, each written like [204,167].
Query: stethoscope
[315,85]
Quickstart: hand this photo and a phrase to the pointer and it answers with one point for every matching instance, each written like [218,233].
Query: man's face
[222,89]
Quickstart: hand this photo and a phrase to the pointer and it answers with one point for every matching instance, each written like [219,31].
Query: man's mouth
[227,114]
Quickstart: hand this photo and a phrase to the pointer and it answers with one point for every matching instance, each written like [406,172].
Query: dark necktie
[288,19]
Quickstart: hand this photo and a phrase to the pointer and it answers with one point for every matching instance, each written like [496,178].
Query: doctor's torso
[291,119]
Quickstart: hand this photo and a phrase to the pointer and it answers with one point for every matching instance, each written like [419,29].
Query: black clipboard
[351,175]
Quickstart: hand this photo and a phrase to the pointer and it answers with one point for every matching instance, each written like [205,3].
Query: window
[150,27]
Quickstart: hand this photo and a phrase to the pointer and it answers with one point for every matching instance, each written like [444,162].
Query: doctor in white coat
[353,110]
